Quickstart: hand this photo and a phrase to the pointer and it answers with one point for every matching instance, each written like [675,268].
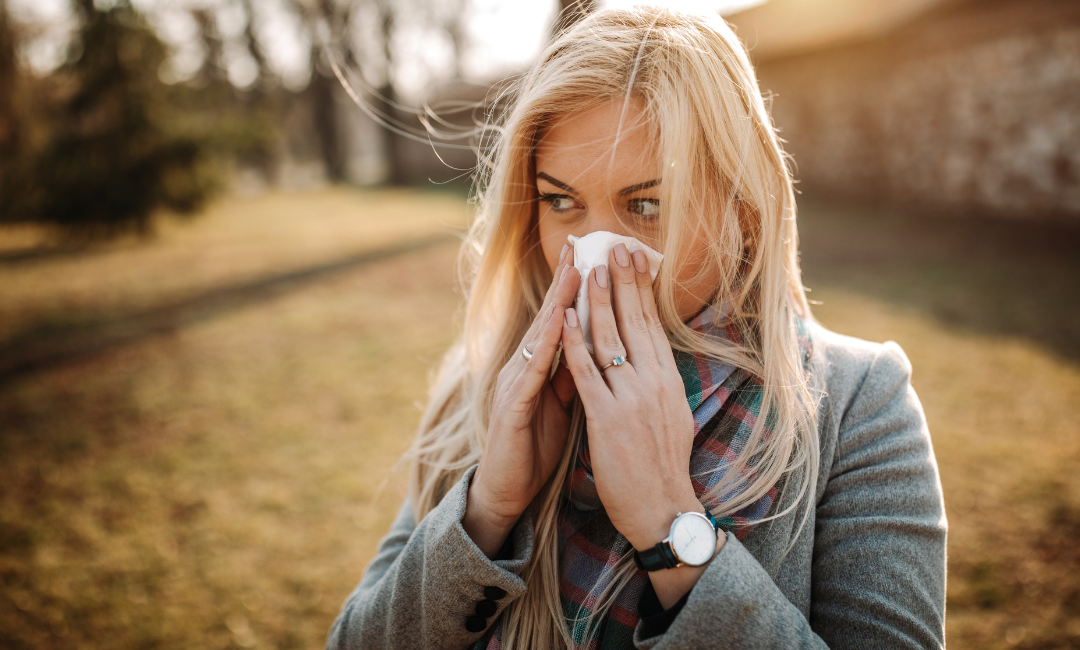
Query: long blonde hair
[726,181]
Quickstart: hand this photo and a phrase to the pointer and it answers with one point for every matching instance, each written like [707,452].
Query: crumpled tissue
[591,251]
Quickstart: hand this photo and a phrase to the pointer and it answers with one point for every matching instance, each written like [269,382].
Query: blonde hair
[726,182]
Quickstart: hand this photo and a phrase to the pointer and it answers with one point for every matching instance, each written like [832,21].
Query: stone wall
[974,108]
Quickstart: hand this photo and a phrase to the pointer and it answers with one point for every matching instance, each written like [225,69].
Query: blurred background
[223,284]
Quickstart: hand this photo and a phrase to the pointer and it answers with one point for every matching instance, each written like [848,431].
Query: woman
[722,471]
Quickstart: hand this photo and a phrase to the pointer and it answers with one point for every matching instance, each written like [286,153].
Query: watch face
[693,539]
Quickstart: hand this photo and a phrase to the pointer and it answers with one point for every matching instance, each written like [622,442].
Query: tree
[255,49]
[387,100]
[322,19]
[241,124]
[9,82]
[112,157]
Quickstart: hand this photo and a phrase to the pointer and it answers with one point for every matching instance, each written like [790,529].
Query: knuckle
[652,319]
[610,339]
[536,368]
[589,372]
[638,323]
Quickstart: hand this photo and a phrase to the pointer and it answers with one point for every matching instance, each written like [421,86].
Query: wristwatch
[691,542]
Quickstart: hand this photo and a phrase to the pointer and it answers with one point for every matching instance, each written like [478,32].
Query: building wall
[974,108]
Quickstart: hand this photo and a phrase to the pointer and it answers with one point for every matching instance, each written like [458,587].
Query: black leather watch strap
[656,558]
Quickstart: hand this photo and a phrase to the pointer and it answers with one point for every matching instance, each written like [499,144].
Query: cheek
[697,284]
[552,238]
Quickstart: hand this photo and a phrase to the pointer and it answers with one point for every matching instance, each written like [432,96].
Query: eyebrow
[626,190]
[557,183]
[640,186]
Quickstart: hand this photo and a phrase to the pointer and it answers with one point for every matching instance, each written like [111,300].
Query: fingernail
[562,255]
[640,263]
[571,317]
[621,257]
[601,276]
[564,272]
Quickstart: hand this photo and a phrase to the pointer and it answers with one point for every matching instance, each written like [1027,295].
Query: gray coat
[867,569]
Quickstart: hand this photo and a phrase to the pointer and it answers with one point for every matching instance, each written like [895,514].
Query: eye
[648,208]
[559,202]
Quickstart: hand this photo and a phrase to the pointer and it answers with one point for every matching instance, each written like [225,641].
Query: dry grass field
[199,433]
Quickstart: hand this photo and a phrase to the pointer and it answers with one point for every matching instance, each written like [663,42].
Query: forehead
[611,140]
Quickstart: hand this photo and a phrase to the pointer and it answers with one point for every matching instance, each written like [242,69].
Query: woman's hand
[517,460]
[640,427]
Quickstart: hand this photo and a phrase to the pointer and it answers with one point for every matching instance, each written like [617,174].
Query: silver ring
[617,361]
[525,353]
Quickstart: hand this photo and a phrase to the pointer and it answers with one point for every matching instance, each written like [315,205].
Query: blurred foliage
[99,146]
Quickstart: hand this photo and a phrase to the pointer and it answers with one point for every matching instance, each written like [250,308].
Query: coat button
[494,593]
[486,608]
[475,624]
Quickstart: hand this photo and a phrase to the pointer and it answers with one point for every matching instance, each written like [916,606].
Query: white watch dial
[693,539]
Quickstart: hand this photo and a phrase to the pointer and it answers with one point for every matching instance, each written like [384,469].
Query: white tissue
[591,251]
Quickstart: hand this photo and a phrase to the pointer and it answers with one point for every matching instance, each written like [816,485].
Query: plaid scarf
[726,402]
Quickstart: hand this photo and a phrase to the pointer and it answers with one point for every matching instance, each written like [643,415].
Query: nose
[602,218]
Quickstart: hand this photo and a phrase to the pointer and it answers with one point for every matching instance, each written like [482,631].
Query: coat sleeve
[426,580]
[878,572]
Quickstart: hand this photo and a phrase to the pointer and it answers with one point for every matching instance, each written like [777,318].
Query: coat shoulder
[844,368]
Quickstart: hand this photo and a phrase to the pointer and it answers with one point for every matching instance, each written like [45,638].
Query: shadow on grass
[990,277]
[47,344]
[38,254]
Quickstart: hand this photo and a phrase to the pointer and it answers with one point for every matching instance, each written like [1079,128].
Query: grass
[198,434]
[989,315]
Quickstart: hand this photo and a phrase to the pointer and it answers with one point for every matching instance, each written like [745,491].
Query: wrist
[487,529]
[479,508]
[655,523]
[498,507]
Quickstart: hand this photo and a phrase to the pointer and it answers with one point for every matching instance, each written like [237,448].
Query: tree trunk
[321,89]
[392,142]
[254,48]
[324,112]
[9,79]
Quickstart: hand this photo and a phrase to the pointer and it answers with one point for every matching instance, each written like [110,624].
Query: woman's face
[586,183]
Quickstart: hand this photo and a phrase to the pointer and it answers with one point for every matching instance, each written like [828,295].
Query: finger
[653,324]
[605,334]
[555,291]
[590,384]
[565,259]
[631,321]
[563,290]
[569,279]
[563,296]
[526,386]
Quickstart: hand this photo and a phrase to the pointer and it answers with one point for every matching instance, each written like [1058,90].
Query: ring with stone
[525,353]
[617,361]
